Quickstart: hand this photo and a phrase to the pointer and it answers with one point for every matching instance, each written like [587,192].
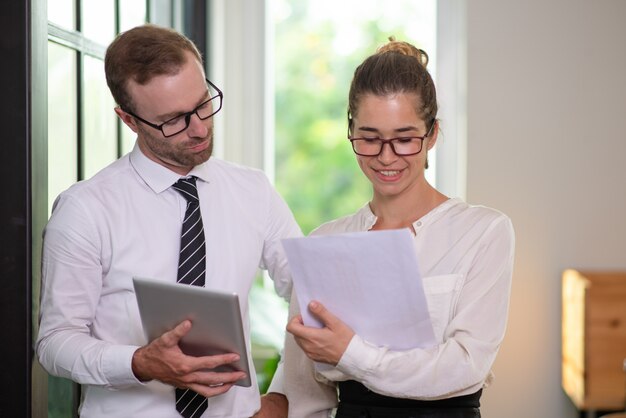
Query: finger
[211,362]
[296,327]
[227,377]
[304,335]
[323,314]
[296,320]
[208,378]
[173,336]
[210,391]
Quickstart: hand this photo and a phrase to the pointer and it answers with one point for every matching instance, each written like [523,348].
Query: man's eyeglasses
[403,146]
[179,123]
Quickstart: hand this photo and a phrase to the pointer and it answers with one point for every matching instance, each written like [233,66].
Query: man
[127,221]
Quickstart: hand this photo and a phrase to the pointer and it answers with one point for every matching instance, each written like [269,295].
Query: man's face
[163,98]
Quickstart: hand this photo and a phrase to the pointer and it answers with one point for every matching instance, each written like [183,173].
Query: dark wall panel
[15,259]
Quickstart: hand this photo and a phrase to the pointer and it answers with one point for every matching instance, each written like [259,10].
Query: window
[318,44]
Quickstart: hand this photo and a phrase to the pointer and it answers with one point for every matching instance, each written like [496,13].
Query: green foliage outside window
[316,171]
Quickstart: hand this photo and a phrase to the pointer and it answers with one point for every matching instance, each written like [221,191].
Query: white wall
[547,145]
[238,65]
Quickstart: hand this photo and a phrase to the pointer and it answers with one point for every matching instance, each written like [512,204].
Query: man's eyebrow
[171,115]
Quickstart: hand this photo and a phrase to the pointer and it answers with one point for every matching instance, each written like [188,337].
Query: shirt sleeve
[309,395]
[462,362]
[280,224]
[71,287]
[277,385]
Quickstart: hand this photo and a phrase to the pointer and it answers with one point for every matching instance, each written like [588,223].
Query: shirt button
[418,223]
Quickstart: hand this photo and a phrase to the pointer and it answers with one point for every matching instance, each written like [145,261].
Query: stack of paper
[370,280]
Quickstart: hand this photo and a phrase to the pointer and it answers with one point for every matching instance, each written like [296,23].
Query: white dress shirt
[126,221]
[465,256]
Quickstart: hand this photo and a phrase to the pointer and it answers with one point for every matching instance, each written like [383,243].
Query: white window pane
[161,12]
[62,13]
[98,20]
[132,13]
[99,120]
[62,126]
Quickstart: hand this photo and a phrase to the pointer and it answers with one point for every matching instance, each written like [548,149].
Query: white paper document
[370,280]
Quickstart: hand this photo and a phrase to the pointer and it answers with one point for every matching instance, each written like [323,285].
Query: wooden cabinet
[594,339]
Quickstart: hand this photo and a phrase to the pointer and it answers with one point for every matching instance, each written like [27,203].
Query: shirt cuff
[117,366]
[360,358]
[277,385]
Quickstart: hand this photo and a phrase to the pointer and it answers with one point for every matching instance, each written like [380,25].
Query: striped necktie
[191,270]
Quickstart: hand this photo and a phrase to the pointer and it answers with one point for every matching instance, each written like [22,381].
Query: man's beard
[179,154]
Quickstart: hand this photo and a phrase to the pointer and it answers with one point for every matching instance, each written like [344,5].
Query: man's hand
[273,405]
[325,345]
[163,360]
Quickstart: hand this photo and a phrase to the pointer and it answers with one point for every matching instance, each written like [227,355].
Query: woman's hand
[327,344]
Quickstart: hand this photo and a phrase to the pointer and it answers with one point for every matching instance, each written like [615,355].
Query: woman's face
[387,117]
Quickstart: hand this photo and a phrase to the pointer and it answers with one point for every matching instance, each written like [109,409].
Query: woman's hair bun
[404,48]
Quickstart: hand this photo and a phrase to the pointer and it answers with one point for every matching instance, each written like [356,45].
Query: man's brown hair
[141,54]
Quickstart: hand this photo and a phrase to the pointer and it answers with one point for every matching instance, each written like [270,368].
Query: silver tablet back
[217,327]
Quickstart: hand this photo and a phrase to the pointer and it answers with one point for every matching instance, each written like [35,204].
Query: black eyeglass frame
[389,141]
[186,115]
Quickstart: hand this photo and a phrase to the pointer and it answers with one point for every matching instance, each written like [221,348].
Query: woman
[465,256]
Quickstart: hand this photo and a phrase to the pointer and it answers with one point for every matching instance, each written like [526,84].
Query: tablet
[217,327]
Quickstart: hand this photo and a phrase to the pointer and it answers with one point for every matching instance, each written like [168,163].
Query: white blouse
[465,256]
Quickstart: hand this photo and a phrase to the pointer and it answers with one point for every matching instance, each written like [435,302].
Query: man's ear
[127,119]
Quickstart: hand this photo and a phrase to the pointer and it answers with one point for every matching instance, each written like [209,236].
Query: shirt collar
[367,218]
[158,177]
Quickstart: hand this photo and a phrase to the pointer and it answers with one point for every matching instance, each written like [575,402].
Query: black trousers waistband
[356,411]
[354,395]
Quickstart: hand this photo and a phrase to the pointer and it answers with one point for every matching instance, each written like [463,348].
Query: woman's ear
[127,119]
[434,134]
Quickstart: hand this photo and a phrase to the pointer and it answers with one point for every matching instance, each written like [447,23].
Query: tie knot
[187,188]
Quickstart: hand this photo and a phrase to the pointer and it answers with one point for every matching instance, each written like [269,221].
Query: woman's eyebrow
[399,130]
[407,129]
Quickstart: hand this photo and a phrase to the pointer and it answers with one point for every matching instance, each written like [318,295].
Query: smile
[389,173]
[389,176]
